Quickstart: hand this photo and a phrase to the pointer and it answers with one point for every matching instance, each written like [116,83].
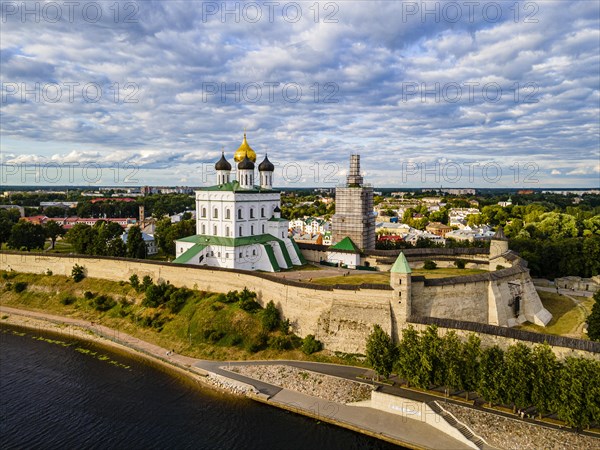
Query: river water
[58,393]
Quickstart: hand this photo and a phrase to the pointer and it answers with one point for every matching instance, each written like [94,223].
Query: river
[56,392]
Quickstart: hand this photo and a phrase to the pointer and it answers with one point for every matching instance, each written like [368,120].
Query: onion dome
[222,164]
[246,164]
[266,165]
[277,209]
[244,151]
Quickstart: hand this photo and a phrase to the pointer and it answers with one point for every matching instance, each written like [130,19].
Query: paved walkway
[567,292]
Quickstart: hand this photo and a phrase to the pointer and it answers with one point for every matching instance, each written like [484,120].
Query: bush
[103,303]
[88,295]
[20,286]
[78,273]
[460,263]
[310,345]
[257,343]
[146,282]
[48,272]
[270,317]
[499,267]
[134,280]
[249,305]
[280,343]
[67,299]
[429,265]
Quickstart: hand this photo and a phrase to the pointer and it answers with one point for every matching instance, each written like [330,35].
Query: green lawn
[567,317]
[384,277]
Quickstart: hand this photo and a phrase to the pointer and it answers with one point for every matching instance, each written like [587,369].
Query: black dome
[246,164]
[222,164]
[277,209]
[266,165]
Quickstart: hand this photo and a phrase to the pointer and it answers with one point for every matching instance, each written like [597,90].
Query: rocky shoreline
[513,434]
[319,385]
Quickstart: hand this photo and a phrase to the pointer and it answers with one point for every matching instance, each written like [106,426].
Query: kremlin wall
[342,316]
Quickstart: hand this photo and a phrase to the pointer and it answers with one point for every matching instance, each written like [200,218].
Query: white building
[238,222]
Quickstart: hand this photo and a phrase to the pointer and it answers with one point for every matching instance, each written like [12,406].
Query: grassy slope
[568,316]
[184,331]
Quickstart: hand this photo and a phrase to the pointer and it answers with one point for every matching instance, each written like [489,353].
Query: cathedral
[238,222]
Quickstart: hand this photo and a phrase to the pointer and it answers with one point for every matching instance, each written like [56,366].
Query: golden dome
[243,151]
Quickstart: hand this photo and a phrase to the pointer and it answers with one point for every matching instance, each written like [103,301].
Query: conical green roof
[401,265]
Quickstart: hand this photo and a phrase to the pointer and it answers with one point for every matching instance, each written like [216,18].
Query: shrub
[310,345]
[270,317]
[177,299]
[146,282]
[103,303]
[280,343]
[499,267]
[78,273]
[460,263]
[67,299]
[88,295]
[20,286]
[215,336]
[249,305]
[256,343]
[48,272]
[134,280]
[230,297]
[429,265]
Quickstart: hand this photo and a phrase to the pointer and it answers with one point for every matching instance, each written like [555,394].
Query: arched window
[262,212]
[227,214]
[252,213]
[226,231]
[240,213]
[251,230]
[203,229]
[215,213]
[215,230]
[263,229]
[240,233]
[203,211]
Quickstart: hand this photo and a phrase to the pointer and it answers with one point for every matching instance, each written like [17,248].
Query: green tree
[5,229]
[593,320]
[409,356]
[518,375]
[546,370]
[575,405]
[78,273]
[451,360]
[431,370]
[53,230]
[491,380]
[26,235]
[136,248]
[81,237]
[381,352]
[270,317]
[471,352]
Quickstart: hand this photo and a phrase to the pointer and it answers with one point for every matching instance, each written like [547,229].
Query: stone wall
[340,317]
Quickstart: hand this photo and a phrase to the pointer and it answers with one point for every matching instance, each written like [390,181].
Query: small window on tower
[262,212]
[215,213]
[252,213]
[227,214]
[203,212]
[240,213]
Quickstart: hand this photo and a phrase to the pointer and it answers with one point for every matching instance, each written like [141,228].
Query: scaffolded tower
[354,216]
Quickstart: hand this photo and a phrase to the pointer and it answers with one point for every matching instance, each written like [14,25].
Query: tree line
[520,377]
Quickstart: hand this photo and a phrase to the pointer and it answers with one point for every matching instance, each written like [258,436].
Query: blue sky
[493,94]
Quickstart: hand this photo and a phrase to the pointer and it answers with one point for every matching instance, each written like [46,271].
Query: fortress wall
[461,301]
[341,318]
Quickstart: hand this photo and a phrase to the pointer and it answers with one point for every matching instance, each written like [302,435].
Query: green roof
[346,245]
[186,256]
[277,219]
[272,258]
[401,265]
[234,186]
[229,242]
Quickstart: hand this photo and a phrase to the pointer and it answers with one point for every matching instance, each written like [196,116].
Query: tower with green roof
[400,281]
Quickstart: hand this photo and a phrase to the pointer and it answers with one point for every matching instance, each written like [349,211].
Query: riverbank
[299,403]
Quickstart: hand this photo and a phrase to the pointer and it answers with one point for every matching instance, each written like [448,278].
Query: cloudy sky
[459,94]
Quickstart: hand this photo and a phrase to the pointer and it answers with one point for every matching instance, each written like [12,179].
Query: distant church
[238,222]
